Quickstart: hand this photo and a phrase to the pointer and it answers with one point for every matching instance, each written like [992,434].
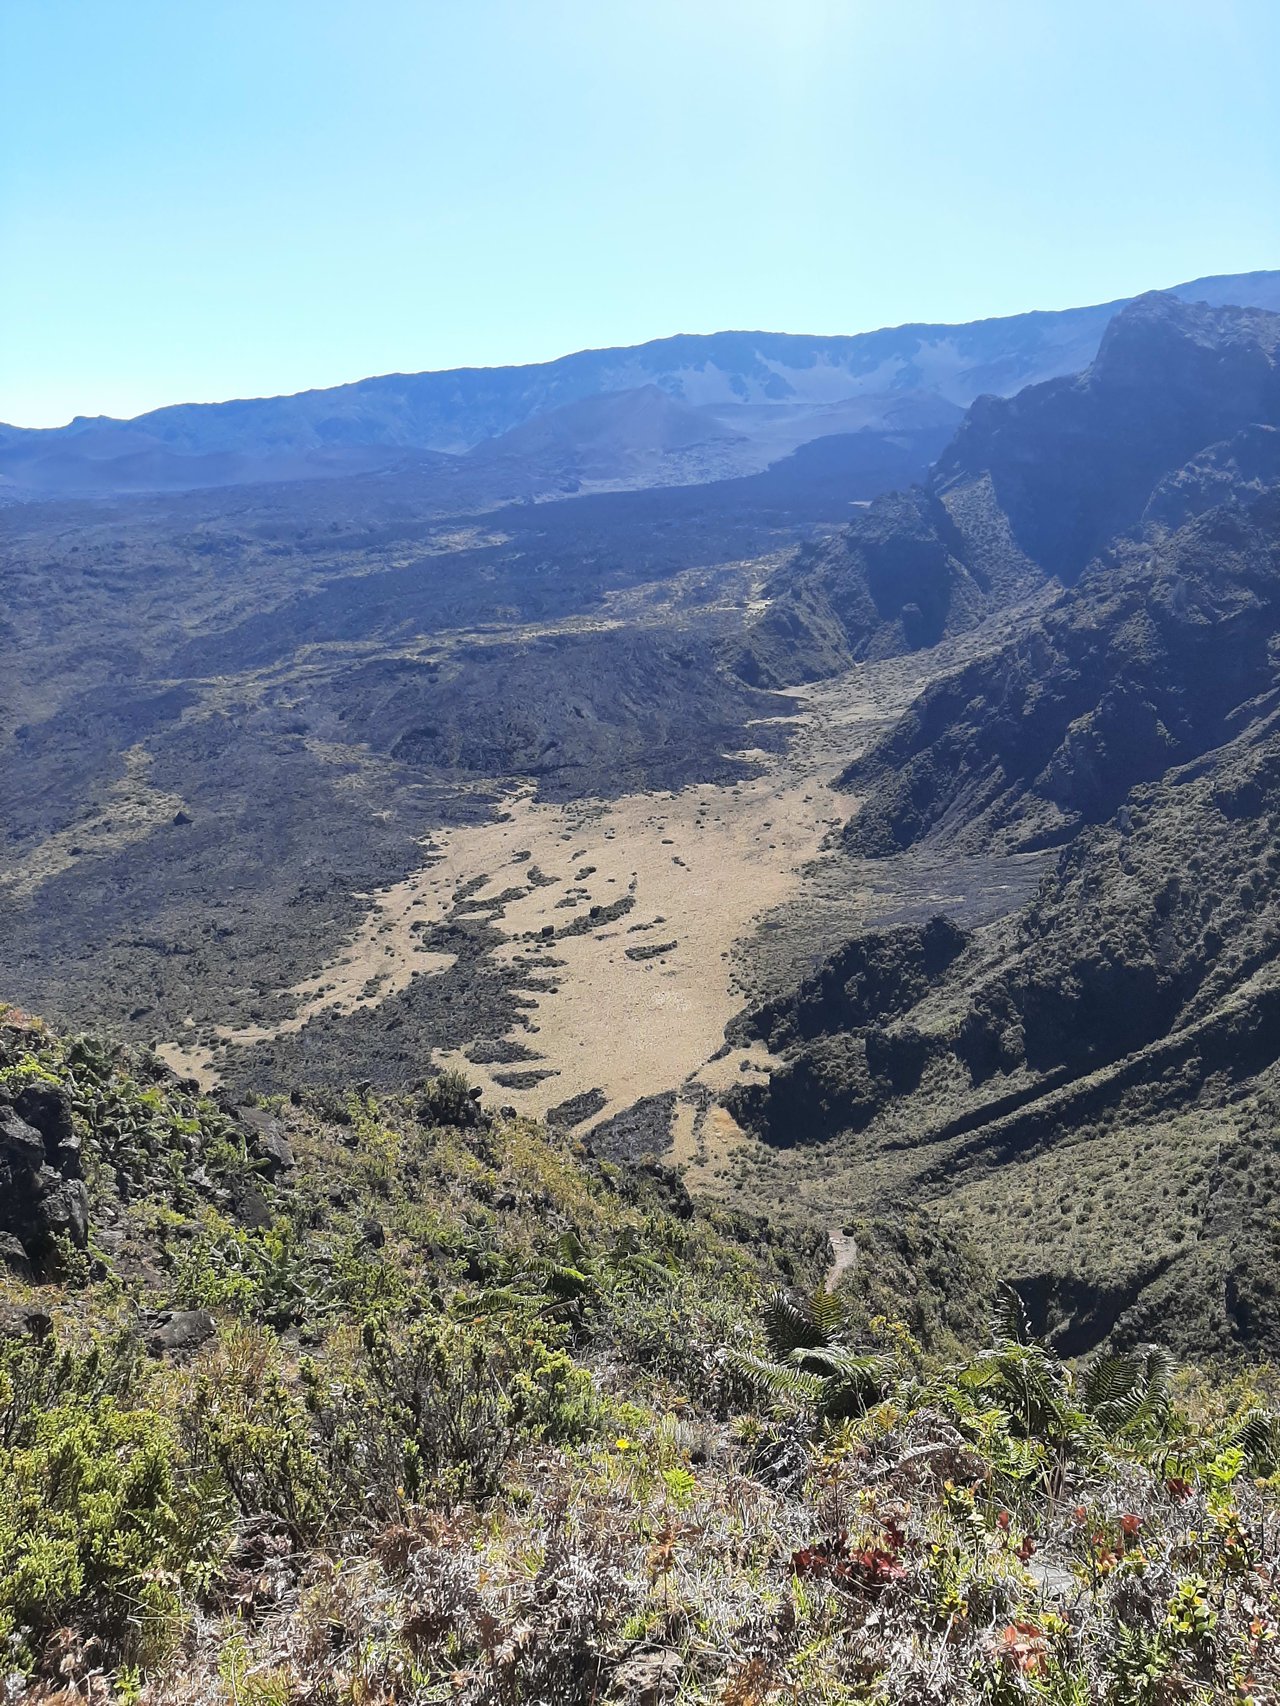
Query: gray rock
[180,1330]
[19,1322]
[267,1141]
[66,1208]
[20,1144]
[648,1677]
[14,1256]
[42,1196]
[47,1108]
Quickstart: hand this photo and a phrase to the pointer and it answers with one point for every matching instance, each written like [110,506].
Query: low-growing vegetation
[352,1399]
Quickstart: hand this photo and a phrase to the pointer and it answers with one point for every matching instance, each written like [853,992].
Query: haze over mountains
[758,395]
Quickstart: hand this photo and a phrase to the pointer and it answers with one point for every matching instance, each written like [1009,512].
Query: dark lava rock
[653,951]
[14,1256]
[42,1196]
[17,1321]
[576,1109]
[640,1131]
[251,1208]
[47,1108]
[267,1141]
[496,1051]
[524,1080]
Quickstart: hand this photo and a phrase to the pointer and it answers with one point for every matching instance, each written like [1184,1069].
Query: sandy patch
[636,918]
[131,810]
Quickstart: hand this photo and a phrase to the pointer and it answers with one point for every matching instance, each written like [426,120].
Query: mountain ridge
[453,410]
[1032,487]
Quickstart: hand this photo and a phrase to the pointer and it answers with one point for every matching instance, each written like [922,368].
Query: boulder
[14,1256]
[47,1107]
[19,1322]
[648,1676]
[267,1141]
[179,1330]
[42,1195]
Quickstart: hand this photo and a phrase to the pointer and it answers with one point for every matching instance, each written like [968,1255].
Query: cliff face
[1168,421]
[1073,462]
[1093,1082]
[1152,660]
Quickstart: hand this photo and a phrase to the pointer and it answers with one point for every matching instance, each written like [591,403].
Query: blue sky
[211,198]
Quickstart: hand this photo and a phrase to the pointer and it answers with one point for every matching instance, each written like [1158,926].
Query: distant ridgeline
[688,408]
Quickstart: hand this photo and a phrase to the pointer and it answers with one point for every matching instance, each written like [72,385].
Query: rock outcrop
[1171,417]
[44,1203]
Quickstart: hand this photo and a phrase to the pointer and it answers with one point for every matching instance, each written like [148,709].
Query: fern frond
[835,1362]
[780,1379]
[1010,1323]
[1159,1373]
[571,1251]
[1129,1390]
[827,1311]
[1258,1436]
[787,1325]
[1113,1386]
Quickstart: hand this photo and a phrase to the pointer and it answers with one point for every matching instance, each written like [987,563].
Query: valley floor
[639,926]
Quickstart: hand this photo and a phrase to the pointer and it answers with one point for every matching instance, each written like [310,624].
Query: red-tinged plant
[1177,1488]
[817,1560]
[1130,1526]
[877,1567]
[1022,1647]
[868,1569]
[1027,1549]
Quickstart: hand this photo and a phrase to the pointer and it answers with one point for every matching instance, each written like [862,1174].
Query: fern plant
[1128,1393]
[810,1361]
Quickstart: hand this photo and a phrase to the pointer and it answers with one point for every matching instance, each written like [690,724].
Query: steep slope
[1156,657]
[343,1397]
[1092,1082]
[1073,462]
[1033,486]
[453,411]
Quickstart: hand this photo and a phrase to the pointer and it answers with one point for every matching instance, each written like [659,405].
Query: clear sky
[210,198]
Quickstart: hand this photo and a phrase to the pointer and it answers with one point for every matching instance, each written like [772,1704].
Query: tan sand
[701,866]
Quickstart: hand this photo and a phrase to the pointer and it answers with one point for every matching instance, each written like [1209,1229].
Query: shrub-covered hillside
[340,1399]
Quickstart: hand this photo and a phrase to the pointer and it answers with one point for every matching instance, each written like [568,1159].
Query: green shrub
[245,1425]
[271,1273]
[446,1406]
[98,1529]
[447,1101]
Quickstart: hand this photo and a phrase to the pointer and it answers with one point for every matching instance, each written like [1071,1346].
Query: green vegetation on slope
[362,1400]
